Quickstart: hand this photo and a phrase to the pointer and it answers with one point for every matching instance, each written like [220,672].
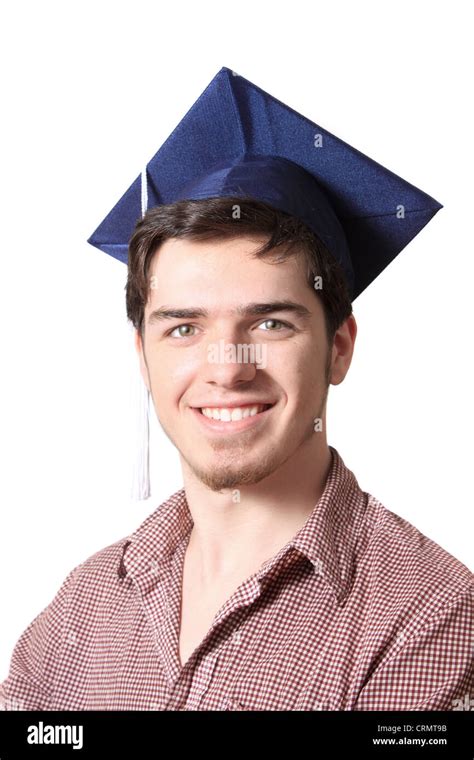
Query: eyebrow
[245,310]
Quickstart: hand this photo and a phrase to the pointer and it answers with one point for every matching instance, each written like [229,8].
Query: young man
[270,581]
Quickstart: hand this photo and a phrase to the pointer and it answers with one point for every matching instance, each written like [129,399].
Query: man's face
[227,285]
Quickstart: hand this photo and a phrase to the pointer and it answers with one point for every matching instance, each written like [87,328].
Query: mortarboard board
[237,140]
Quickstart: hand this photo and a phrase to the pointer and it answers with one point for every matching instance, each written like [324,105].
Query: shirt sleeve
[36,656]
[433,670]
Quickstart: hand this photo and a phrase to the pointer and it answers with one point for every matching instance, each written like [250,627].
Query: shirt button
[237,637]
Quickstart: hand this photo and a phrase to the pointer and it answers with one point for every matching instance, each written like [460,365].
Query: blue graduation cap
[237,140]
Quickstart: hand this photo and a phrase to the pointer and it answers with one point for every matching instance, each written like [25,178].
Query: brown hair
[213,219]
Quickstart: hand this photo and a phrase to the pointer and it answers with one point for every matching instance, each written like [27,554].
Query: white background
[89,92]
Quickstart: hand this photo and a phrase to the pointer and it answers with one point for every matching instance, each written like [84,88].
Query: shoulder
[105,561]
[406,568]
[417,609]
[98,573]
[101,576]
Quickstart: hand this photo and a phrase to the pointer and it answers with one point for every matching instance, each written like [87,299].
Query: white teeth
[232,415]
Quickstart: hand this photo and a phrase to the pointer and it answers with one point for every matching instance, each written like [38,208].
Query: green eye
[273,321]
[180,328]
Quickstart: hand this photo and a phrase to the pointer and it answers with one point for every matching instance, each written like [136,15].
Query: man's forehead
[227,284]
[180,265]
[191,253]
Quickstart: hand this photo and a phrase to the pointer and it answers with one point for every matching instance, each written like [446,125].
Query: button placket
[202,678]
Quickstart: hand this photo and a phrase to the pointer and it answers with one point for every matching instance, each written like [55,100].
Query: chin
[247,470]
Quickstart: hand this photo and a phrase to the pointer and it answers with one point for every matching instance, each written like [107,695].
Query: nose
[228,361]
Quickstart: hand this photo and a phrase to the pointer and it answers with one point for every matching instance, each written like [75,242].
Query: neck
[236,530]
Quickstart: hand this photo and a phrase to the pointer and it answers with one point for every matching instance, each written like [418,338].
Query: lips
[232,418]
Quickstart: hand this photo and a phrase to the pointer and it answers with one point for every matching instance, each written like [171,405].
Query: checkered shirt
[358,611]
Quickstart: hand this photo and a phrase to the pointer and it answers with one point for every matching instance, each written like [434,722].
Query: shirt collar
[327,539]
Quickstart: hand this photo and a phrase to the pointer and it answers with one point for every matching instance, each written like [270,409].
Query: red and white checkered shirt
[359,611]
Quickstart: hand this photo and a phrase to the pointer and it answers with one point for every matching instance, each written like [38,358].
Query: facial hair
[228,475]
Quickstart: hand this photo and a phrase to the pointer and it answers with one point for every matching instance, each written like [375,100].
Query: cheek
[304,379]
[171,375]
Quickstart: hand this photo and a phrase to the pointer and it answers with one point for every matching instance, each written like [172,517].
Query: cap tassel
[141,472]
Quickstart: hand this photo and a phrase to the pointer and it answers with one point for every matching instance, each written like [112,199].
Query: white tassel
[141,470]
[141,405]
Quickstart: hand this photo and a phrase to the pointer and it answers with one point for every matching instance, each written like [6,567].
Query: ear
[342,350]
[141,358]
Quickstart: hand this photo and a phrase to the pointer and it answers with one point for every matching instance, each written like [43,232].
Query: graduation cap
[237,140]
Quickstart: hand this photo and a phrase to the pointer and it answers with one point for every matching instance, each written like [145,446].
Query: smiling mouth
[233,414]
[223,425]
